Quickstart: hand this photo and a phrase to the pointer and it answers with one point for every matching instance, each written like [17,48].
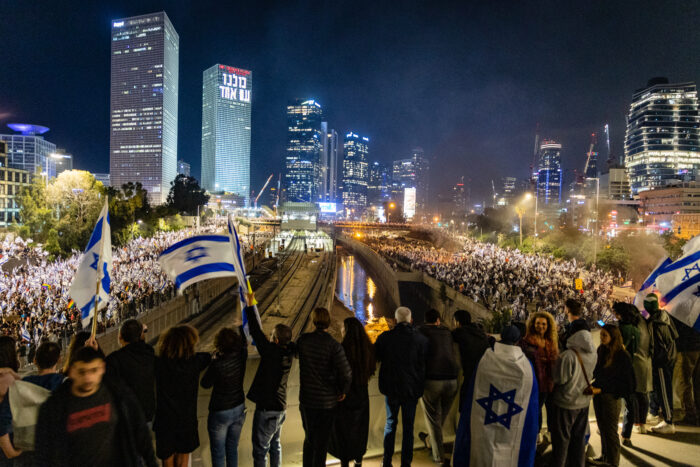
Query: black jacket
[663,338]
[134,364]
[401,352]
[132,432]
[269,388]
[441,363]
[472,342]
[324,371]
[617,378]
[688,338]
[225,374]
[570,329]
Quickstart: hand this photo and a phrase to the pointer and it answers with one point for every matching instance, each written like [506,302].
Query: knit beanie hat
[651,303]
[510,335]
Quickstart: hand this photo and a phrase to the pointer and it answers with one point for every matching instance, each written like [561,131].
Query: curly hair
[178,342]
[550,335]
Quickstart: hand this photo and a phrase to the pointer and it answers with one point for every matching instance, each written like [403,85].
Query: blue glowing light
[28,129]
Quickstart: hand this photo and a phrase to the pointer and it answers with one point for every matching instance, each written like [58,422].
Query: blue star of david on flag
[96,258]
[696,267]
[494,395]
[196,253]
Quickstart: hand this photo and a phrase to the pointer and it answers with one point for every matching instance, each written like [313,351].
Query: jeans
[267,426]
[224,428]
[318,424]
[408,409]
[607,413]
[437,400]
[663,388]
[689,384]
[568,429]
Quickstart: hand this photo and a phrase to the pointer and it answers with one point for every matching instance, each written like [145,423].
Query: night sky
[468,81]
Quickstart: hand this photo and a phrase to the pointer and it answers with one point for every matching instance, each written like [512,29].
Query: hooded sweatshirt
[569,380]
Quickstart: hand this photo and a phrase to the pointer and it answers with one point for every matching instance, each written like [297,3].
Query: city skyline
[475,121]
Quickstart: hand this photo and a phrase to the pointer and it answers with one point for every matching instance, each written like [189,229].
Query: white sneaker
[653,419]
[641,429]
[664,428]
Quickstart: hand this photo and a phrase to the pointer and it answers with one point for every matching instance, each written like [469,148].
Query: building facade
[331,162]
[144,103]
[379,184]
[226,130]
[662,141]
[303,177]
[549,182]
[104,178]
[660,204]
[28,150]
[615,185]
[355,173]
[62,161]
[508,191]
[184,168]
[12,181]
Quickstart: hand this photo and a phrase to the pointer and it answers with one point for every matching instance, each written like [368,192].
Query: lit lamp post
[392,206]
[519,209]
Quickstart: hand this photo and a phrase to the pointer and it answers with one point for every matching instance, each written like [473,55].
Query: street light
[520,212]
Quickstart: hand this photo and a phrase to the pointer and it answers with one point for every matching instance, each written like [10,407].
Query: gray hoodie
[569,381]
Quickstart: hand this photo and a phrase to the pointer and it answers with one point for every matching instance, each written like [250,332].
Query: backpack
[25,400]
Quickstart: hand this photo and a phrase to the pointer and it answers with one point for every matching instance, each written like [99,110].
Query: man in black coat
[269,388]
[89,420]
[134,365]
[324,377]
[472,342]
[402,353]
[689,382]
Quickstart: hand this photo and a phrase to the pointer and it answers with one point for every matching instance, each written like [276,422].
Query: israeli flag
[24,334]
[198,258]
[243,284]
[649,285]
[679,285]
[95,266]
[499,422]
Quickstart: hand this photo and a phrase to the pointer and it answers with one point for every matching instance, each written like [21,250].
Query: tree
[186,195]
[127,206]
[35,213]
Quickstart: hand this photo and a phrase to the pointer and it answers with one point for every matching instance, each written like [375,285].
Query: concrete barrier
[377,266]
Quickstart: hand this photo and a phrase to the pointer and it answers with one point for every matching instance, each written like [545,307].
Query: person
[635,337]
[269,387]
[568,412]
[92,420]
[46,361]
[540,346]
[9,361]
[402,352]
[177,372]
[663,359]
[472,342]
[613,378]
[440,380]
[498,425]
[351,427]
[575,321]
[689,382]
[325,378]
[79,340]
[227,404]
[134,363]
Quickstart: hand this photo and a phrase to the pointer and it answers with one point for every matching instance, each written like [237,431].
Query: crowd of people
[104,408]
[501,278]
[35,297]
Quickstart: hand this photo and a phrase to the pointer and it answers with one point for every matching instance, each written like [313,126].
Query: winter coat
[441,363]
[472,342]
[132,432]
[663,339]
[134,364]
[641,360]
[569,380]
[618,377]
[570,329]
[269,388]
[401,352]
[225,374]
[630,337]
[324,371]
[543,360]
[688,338]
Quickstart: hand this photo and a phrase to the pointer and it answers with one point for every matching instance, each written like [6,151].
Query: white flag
[198,258]
[679,285]
[95,265]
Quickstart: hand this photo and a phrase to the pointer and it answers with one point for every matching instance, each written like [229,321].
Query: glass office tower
[355,174]
[143,103]
[549,174]
[663,135]
[226,123]
[304,175]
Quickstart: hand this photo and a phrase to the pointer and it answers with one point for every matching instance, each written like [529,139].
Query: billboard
[409,203]
[327,207]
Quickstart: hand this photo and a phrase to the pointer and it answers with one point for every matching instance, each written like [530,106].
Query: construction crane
[255,203]
[493,189]
[588,159]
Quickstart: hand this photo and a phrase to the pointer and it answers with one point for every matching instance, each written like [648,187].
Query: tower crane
[255,203]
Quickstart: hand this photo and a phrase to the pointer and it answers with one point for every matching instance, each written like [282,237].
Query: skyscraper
[508,191]
[331,160]
[29,150]
[422,171]
[412,173]
[355,174]
[549,173]
[184,168]
[662,141]
[304,146]
[226,123]
[143,103]
[379,186]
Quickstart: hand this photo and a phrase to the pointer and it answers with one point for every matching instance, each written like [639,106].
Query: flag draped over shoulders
[499,422]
